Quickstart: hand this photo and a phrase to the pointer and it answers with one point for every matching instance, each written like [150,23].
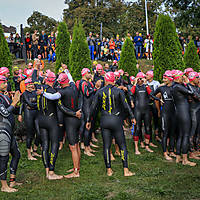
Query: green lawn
[155,179]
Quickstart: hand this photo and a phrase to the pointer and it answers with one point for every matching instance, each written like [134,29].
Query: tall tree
[167,51]
[191,58]
[5,56]
[79,56]
[38,21]
[62,45]
[127,59]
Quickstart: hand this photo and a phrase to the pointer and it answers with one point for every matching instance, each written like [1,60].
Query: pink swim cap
[63,78]
[99,66]
[110,77]
[121,71]
[85,71]
[114,61]
[168,74]
[30,64]
[4,70]
[140,75]
[28,72]
[132,78]
[50,77]
[2,79]
[178,74]
[192,76]
[28,81]
[149,73]
[117,74]
[188,70]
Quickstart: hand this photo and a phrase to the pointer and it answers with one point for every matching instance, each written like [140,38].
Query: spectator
[51,56]
[35,39]
[28,45]
[11,38]
[98,47]
[112,47]
[118,43]
[149,47]
[138,45]
[52,39]
[18,46]
[91,44]
[43,42]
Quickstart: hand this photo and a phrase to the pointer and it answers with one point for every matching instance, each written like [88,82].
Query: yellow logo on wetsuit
[104,101]
[110,101]
[51,160]
[122,155]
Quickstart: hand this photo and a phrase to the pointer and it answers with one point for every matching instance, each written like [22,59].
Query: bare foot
[137,153]
[8,189]
[88,153]
[93,145]
[91,150]
[153,145]
[31,158]
[178,159]
[192,164]
[109,172]
[128,173]
[73,175]
[168,158]
[117,153]
[14,183]
[142,145]
[82,145]
[36,154]
[148,149]
[112,158]
[54,177]
[193,156]
[70,170]
[172,154]
[61,146]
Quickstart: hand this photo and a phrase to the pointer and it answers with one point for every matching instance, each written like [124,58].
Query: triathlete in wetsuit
[154,113]
[8,143]
[111,101]
[194,112]
[180,95]
[29,106]
[48,125]
[142,94]
[167,114]
[69,105]
[86,93]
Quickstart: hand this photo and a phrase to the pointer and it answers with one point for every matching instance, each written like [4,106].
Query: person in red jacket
[112,47]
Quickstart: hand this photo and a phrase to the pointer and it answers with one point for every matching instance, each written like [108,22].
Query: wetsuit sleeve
[125,105]
[51,96]
[65,110]
[21,105]
[86,91]
[34,76]
[3,108]
[94,106]
[184,90]
[70,78]
[153,94]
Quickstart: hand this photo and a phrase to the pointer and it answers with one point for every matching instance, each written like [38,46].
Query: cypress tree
[191,58]
[167,53]
[127,58]
[79,56]
[5,56]
[62,45]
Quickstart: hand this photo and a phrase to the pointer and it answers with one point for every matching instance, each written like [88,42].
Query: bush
[167,53]
[62,45]
[191,58]
[79,55]
[127,59]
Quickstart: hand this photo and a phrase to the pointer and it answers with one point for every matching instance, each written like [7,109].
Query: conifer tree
[127,58]
[191,58]
[167,53]
[62,45]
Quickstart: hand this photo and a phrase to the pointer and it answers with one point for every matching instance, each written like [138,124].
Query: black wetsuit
[167,116]
[111,101]
[86,93]
[180,96]
[29,106]
[8,143]
[69,105]
[48,125]
[142,111]
[194,113]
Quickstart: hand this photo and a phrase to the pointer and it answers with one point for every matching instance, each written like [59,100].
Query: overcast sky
[16,12]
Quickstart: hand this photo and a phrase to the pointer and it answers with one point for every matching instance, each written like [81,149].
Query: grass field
[155,179]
